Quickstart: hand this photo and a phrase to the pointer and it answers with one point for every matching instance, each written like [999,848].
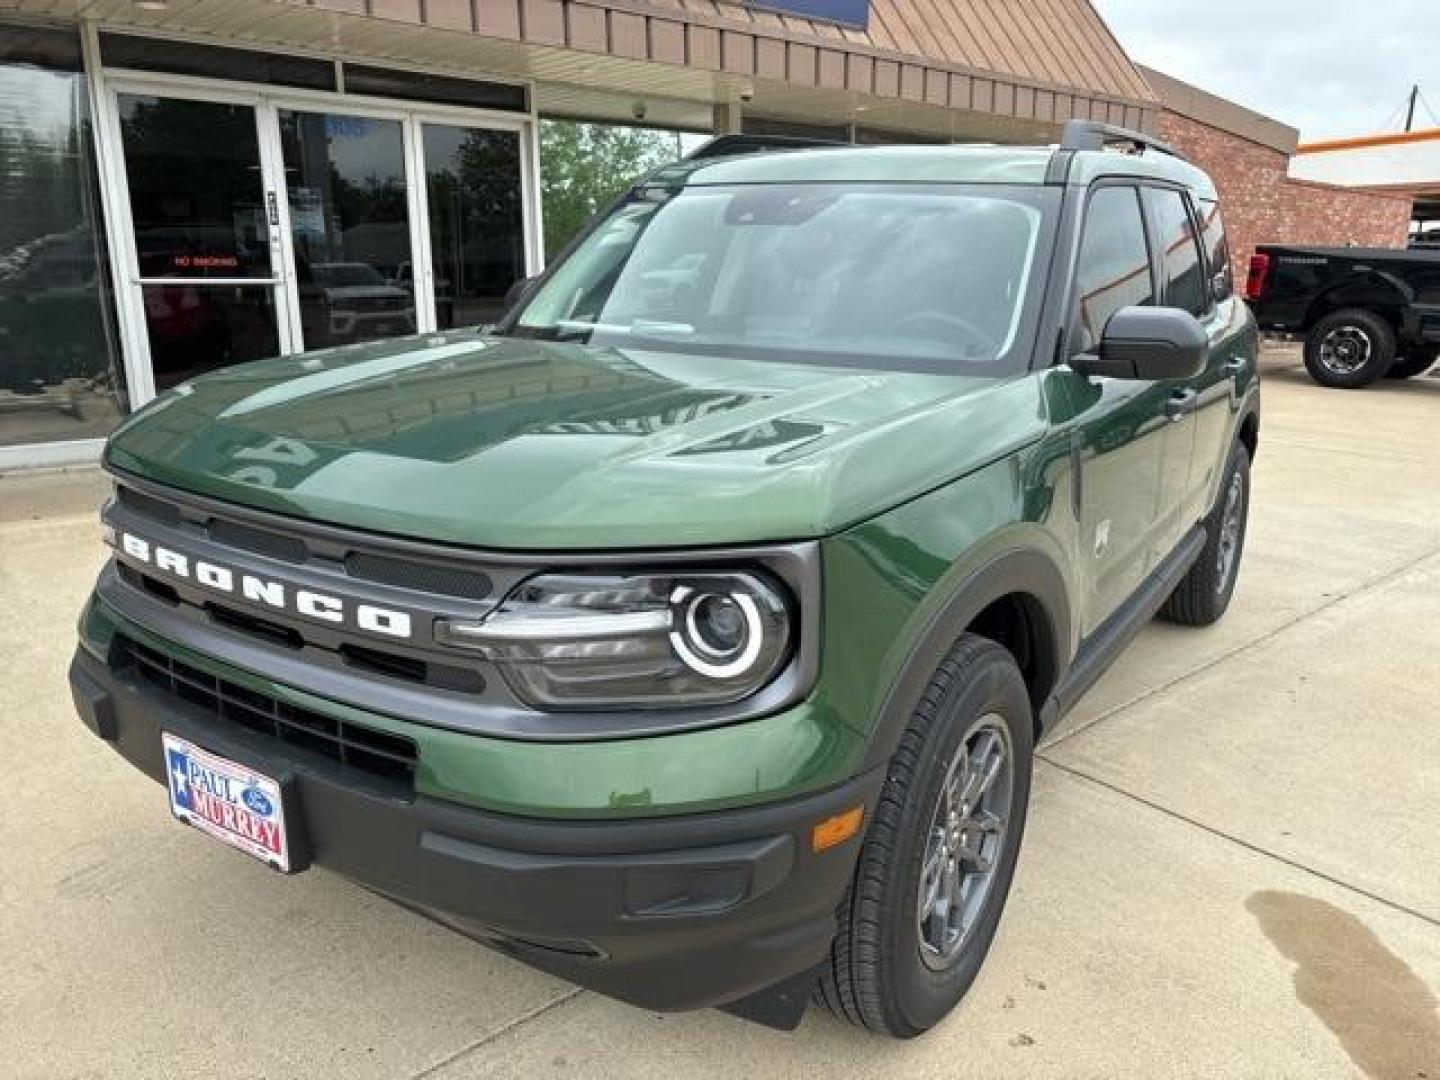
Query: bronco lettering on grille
[266,592]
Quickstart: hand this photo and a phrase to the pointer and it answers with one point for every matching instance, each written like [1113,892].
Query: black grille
[411,574]
[375,752]
[157,509]
[260,541]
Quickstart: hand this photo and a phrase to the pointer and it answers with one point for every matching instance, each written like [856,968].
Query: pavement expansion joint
[1238,841]
[491,1036]
[1244,646]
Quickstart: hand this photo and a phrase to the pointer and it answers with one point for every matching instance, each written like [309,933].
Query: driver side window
[1114,265]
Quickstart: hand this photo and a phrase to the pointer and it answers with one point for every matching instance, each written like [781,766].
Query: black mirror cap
[1151,343]
[518,291]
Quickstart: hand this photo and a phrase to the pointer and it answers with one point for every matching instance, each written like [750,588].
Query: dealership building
[186,184]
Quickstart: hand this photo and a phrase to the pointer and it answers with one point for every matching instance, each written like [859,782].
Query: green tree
[584,166]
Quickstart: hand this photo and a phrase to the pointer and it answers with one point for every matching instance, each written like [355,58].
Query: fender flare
[1017,571]
[1372,290]
[1249,410]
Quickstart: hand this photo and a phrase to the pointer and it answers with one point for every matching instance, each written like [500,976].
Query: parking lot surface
[1230,867]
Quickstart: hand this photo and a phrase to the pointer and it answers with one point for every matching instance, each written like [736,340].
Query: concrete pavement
[1229,868]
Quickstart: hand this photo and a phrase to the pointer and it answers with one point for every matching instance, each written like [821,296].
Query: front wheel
[937,862]
[1204,593]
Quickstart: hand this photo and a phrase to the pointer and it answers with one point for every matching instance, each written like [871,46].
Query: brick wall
[1262,205]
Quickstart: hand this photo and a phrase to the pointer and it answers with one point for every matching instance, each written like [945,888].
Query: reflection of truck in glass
[52,332]
[351,301]
[404,278]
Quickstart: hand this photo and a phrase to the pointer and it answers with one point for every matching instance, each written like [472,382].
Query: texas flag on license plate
[224,798]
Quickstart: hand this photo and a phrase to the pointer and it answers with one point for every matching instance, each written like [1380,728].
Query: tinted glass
[417,87]
[1114,266]
[1217,249]
[1175,234]
[351,226]
[196,328]
[216,62]
[477,236]
[934,276]
[60,371]
[53,50]
[195,191]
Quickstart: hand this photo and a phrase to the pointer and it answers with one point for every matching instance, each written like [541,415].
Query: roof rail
[1093,135]
[730,145]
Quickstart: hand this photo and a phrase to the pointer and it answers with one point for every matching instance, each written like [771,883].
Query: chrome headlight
[587,641]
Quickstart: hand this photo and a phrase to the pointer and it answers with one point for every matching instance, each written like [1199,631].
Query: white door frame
[129,284]
[529,199]
[267,101]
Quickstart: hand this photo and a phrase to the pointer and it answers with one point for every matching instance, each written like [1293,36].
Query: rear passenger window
[1217,249]
[1114,268]
[1184,273]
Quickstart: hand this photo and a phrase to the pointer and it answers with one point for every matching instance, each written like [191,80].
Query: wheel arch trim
[1026,573]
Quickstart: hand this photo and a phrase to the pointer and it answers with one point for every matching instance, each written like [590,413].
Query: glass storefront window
[61,376]
[350,226]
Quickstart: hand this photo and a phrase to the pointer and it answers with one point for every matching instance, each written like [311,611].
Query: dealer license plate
[231,802]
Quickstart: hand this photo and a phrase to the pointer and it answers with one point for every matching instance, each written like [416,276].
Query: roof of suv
[931,164]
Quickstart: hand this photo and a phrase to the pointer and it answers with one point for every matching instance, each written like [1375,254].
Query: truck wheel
[1350,348]
[937,861]
[1203,594]
[1415,362]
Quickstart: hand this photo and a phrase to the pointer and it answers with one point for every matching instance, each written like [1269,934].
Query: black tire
[876,977]
[1414,362]
[1349,348]
[1204,593]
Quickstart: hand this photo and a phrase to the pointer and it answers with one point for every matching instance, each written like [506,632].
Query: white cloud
[1329,67]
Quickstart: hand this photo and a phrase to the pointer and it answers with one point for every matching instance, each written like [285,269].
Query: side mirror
[518,291]
[1151,343]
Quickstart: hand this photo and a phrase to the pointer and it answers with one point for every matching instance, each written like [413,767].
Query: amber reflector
[837,829]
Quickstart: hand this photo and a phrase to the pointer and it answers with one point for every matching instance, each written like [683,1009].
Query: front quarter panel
[901,587]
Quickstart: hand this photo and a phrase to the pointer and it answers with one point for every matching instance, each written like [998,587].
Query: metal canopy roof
[972,68]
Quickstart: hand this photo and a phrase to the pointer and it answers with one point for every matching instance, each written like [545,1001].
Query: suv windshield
[897,276]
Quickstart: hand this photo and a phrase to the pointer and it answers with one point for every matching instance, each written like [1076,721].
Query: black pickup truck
[1365,313]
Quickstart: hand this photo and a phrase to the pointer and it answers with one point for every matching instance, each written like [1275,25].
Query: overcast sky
[1328,67]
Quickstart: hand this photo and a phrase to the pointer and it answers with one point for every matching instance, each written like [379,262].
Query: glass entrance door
[204,233]
[255,225]
[345,182]
[475,226]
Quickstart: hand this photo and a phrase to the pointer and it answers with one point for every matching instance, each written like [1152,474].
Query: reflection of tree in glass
[53,326]
[195,190]
[375,198]
[198,147]
[584,166]
[473,187]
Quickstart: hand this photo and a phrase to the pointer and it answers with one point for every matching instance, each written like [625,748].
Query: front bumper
[666,913]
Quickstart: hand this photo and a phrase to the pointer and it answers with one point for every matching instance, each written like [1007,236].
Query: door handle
[1235,367]
[1180,403]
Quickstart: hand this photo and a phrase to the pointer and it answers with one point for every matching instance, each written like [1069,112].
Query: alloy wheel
[1231,521]
[1345,350]
[966,839]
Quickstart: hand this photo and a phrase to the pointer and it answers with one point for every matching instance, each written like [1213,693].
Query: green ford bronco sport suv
[688,634]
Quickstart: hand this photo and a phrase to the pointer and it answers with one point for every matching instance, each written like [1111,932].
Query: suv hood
[519,444]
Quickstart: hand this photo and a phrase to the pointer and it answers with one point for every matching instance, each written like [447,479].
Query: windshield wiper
[579,329]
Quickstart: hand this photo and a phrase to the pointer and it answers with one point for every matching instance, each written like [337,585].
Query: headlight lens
[660,640]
